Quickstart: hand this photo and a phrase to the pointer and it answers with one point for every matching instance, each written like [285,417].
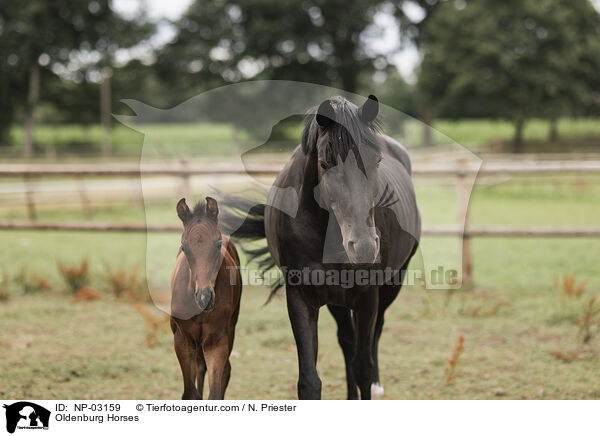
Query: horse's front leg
[219,369]
[186,354]
[363,364]
[343,318]
[304,318]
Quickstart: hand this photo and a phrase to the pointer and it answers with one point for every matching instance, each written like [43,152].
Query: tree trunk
[32,98]
[553,131]
[517,145]
[427,130]
[105,110]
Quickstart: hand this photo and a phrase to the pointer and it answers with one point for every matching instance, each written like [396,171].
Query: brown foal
[205,300]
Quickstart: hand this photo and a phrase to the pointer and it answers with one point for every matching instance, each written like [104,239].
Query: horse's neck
[310,180]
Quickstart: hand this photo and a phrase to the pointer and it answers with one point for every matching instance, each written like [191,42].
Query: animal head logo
[257,107]
[26,415]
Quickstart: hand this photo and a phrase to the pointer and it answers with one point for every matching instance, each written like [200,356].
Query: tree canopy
[70,39]
[514,59]
[321,41]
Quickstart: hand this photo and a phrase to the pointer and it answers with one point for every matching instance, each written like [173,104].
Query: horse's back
[396,172]
[396,151]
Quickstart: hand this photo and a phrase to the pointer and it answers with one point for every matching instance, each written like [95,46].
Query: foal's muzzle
[205,298]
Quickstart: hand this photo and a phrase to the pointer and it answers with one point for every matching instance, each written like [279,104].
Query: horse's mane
[347,132]
[199,209]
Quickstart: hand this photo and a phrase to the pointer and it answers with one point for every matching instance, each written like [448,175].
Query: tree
[320,41]
[61,37]
[514,59]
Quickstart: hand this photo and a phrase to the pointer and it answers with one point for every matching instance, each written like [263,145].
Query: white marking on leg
[376,391]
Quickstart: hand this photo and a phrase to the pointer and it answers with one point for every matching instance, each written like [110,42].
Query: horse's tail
[251,233]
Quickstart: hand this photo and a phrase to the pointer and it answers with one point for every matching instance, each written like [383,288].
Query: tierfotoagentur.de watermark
[345,278]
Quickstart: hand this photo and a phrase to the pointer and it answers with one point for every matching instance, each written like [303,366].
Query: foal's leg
[304,319]
[363,364]
[217,360]
[345,334]
[226,376]
[201,371]
[186,354]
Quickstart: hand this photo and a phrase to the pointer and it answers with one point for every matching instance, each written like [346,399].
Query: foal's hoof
[376,391]
[191,396]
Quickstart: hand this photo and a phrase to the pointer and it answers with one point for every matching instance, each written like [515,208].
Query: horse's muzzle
[205,298]
[363,251]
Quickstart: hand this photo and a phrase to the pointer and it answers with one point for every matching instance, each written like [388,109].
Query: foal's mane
[199,209]
[346,133]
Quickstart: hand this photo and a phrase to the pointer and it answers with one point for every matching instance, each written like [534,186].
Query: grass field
[81,142]
[57,348]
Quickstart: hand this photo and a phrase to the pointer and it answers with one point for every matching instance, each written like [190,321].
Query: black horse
[356,218]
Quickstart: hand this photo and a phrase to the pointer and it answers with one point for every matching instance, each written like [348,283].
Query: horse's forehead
[201,228]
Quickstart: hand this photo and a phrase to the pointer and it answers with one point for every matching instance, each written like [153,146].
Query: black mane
[347,132]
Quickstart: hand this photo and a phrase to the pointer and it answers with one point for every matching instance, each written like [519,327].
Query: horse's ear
[325,114]
[368,111]
[212,209]
[183,211]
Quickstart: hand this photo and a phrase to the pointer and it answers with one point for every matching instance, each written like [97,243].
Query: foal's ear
[369,110]
[183,211]
[212,209]
[325,114]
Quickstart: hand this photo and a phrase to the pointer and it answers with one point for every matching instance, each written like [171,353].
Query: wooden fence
[460,170]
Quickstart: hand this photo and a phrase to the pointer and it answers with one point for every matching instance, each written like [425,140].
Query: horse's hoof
[376,391]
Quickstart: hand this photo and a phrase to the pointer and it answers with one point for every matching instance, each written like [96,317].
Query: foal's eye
[323,164]
[379,160]
[219,244]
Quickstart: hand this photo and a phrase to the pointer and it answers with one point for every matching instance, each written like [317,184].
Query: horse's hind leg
[345,334]
[186,354]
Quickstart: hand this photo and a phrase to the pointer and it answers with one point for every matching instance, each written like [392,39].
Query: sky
[405,60]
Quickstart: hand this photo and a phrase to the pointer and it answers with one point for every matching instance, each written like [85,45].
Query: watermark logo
[358,164]
[344,278]
[25,415]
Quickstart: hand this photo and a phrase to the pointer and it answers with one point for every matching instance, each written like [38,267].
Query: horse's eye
[219,244]
[182,249]
[323,164]
[379,161]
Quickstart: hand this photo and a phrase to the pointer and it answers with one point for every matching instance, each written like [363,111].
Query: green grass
[220,139]
[80,140]
[478,133]
[97,349]
[54,347]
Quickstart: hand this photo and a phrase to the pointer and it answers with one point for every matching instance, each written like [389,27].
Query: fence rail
[502,231]
[459,169]
[187,170]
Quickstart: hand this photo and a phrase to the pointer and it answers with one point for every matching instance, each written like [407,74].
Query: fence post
[85,201]
[462,193]
[105,111]
[186,187]
[29,197]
